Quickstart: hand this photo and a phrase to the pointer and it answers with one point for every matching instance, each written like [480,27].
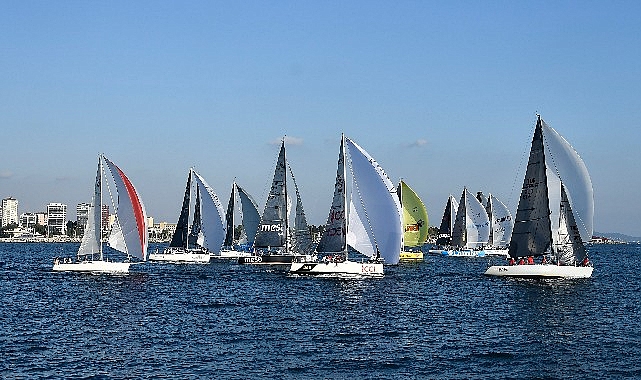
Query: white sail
[376,193]
[501,222]
[570,168]
[478,226]
[116,238]
[214,225]
[472,226]
[359,236]
[250,216]
[91,239]
[131,216]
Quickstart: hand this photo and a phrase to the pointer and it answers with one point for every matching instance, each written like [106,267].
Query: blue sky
[442,94]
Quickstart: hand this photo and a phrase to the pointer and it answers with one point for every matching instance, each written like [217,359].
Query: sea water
[441,318]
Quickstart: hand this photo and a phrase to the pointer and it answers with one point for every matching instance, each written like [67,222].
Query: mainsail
[179,239]
[472,226]
[532,234]
[272,231]
[415,220]
[334,237]
[196,237]
[229,217]
[447,222]
[92,239]
[374,208]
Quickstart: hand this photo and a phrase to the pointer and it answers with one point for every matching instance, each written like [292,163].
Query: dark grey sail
[229,216]
[459,231]
[272,231]
[302,238]
[488,210]
[251,218]
[445,229]
[179,239]
[195,238]
[334,238]
[532,233]
[569,249]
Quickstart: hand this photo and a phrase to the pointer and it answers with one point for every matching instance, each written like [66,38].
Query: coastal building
[41,218]
[9,211]
[56,219]
[82,214]
[28,220]
[105,218]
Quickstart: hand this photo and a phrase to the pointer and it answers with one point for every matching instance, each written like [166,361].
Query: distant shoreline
[57,239]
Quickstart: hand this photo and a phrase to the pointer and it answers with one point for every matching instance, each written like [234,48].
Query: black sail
[445,230]
[532,233]
[459,231]
[272,231]
[179,239]
[334,238]
[196,224]
[229,237]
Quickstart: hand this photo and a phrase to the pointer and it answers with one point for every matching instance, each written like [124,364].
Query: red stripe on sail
[135,203]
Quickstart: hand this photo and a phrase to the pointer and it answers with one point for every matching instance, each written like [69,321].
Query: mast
[99,185]
[286,199]
[229,237]
[344,194]
[490,214]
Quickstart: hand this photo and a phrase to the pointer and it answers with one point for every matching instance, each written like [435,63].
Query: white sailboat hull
[230,255]
[496,252]
[462,253]
[540,271]
[180,256]
[92,267]
[337,269]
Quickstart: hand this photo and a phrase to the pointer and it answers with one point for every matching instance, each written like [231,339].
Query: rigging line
[523,162]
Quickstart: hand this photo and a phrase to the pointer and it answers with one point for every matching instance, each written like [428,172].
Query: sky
[442,94]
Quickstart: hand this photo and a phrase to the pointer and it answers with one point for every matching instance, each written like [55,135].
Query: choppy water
[437,319]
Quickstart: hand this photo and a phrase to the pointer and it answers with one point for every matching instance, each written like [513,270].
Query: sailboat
[250,222]
[275,242]
[555,213]
[471,228]
[187,245]
[129,233]
[501,224]
[444,239]
[370,223]
[415,223]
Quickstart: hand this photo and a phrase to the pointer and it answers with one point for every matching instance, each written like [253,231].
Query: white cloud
[418,143]
[6,174]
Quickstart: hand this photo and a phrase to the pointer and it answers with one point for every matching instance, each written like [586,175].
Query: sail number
[336,231]
[368,268]
[271,228]
[335,215]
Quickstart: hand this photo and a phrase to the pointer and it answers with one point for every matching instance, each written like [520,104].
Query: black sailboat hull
[274,259]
